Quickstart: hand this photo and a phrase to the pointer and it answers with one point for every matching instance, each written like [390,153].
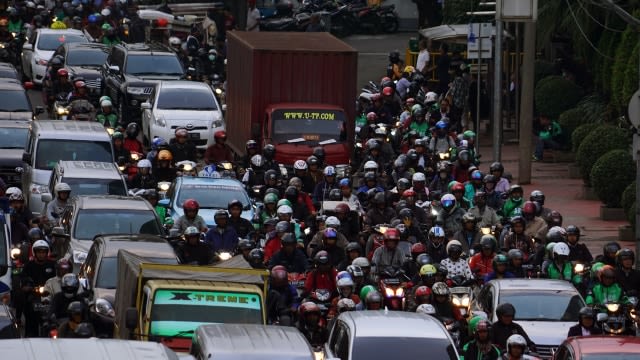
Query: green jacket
[552,131]
[601,295]
[15,26]
[566,273]
[109,120]
[470,352]
[510,206]
[421,129]
[162,213]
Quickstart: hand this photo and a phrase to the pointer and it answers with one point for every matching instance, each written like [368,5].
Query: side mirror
[145,105]
[27,46]
[26,158]
[39,110]
[46,198]
[131,318]
[224,107]
[602,317]
[114,69]
[28,85]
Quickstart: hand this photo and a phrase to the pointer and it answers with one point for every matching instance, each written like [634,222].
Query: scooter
[392,288]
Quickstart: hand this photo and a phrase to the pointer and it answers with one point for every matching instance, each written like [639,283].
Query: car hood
[149,79]
[11,157]
[208,214]
[16,115]
[546,332]
[186,117]
[86,72]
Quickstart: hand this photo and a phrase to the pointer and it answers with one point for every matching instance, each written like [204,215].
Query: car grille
[94,84]
[546,351]
[193,128]
[9,175]
[148,90]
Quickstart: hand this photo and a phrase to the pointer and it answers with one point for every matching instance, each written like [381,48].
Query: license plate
[40,307]
[615,319]
[194,135]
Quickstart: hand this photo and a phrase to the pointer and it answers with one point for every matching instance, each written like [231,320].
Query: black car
[13,140]
[8,71]
[131,71]
[85,60]
[15,103]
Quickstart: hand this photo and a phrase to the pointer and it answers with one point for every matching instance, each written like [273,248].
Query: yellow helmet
[428,270]
[58,25]
[165,155]
[409,69]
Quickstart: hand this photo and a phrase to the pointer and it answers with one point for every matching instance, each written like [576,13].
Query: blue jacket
[227,241]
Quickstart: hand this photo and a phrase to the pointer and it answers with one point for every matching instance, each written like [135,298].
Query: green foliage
[599,141]
[630,76]
[611,174]
[594,109]
[621,60]
[628,202]
[571,119]
[543,69]
[554,95]
[580,133]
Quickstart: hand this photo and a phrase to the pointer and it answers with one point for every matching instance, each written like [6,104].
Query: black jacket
[576,330]
[580,253]
[501,332]
[629,281]
[199,253]
[295,263]
[242,226]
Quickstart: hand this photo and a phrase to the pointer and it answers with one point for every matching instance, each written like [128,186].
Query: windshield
[311,125]
[95,57]
[115,221]
[108,272]
[544,305]
[179,311]
[213,196]
[50,42]
[14,101]
[186,99]
[13,138]
[51,151]
[96,187]
[153,65]
[382,348]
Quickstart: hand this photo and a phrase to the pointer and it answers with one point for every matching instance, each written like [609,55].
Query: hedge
[628,202]
[601,140]
[554,95]
[580,133]
[611,174]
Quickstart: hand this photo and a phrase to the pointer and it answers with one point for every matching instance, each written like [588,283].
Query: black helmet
[313,160]
[401,161]
[370,176]
[488,241]
[622,253]
[394,56]
[573,230]
[489,179]
[518,220]
[291,193]
[537,196]
[403,184]
[221,214]
[84,330]
[270,175]
[321,258]
[70,284]
[379,199]
[405,213]
[246,244]
[353,246]
[611,247]
[424,259]
[373,144]
[75,308]
[515,254]
[256,255]
[496,166]
[505,309]
[288,239]
[269,151]
[56,62]
[319,153]
[234,203]
[587,311]
[335,195]
[132,130]
[412,155]
[556,234]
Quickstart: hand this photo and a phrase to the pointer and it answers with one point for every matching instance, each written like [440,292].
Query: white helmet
[175,41]
[453,242]
[105,12]
[144,163]
[418,177]
[12,190]
[517,340]
[346,304]
[31,4]
[362,261]
[436,231]
[561,249]
[426,309]
[431,97]
[332,222]
[40,244]
[105,103]
[61,187]
[285,209]
[329,171]
[370,166]
[300,165]
[345,281]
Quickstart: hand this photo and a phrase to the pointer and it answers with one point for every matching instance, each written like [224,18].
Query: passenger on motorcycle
[61,300]
[480,347]
[222,237]
[456,188]
[481,263]
[538,197]
[560,267]
[505,327]
[626,275]
[346,290]
[373,301]
[516,348]
[502,184]
[76,326]
[290,256]
[609,251]
[536,227]
[353,250]
[35,274]
[190,217]
[457,267]
[513,205]
[435,244]
[500,266]
[474,185]
[516,258]
[194,251]
[53,285]
[452,214]
[494,198]
[323,276]
[379,212]
[606,290]
[282,298]
[57,206]
[388,255]
[469,236]
[586,324]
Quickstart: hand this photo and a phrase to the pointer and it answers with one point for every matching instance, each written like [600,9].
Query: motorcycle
[462,296]
[297,280]
[453,327]
[60,107]
[392,287]
[614,319]
[82,110]
[6,53]
[322,298]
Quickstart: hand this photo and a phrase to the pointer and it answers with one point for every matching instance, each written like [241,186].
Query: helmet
[246,244]
[16,197]
[355,271]
[234,203]
[219,214]
[64,264]
[505,309]
[344,282]
[335,195]
[587,311]
[308,307]
[63,72]
[250,144]
[300,165]
[482,325]
[606,271]
[555,218]
[269,151]
[430,97]
[144,164]
[561,249]
[270,198]
[353,246]
[418,177]
[516,340]
[362,262]
[282,226]
[624,253]
[457,186]
[488,241]
[428,270]
[329,233]
[79,84]
[373,297]
[427,309]
[423,291]
[165,155]
[175,41]
[436,231]
[556,234]
[157,142]
[12,190]
[191,231]
[391,234]
[424,259]
[537,196]
[279,276]
[62,187]
[496,166]
[394,56]
[442,125]
[448,201]
[454,246]
[366,290]
[499,259]
[283,202]
[371,166]
[515,254]
[373,144]
[387,91]
[105,12]
[256,255]
[379,198]
[441,288]
[321,258]
[346,305]
[517,220]
[611,248]
[190,204]
[515,188]
[70,284]
[329,171]
[312,160]
[40,245]
[319,153]
[573,230]
[257,160]
[489,179]
[468,217]
[75,308]
[529,209]
[284,210]
[405,213]
[549,247]
[477,175]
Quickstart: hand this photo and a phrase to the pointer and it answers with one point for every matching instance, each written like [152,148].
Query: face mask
[212,57]
[516,199]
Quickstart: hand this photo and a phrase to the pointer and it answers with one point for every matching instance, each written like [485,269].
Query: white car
[38,51]
[187,104]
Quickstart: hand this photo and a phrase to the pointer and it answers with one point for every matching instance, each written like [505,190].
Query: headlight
[485,231]
[1,46]
[135,156]
[160,121]
[15,253]
[135,90]
[633,314]
[224,256]
[218,91]
[388,292]
[79,256]
[104,307]
[216,124]
[61,110]
[456,301]
[359,145]
[164,185]
[465,301]
[613,307]
[39,189]
[110,131]
[122,168]
[40,289]
[578,268]
[399,292]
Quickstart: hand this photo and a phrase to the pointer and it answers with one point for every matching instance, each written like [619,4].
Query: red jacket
[316,280]
[481,265]
[272,246]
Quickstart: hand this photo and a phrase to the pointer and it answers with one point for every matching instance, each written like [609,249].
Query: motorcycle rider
[193,250]
[560,268]
[469,236]
[106,116]
[538,197]
[442,303]
[441,180]
[516,258]
[419,186]
[16,203]
[457,189]
[164,170]
[499,265]
[536,227]
[441,142]
[269,153]
[61,300]
[388,255]
[502,184]
[77,312]
[53,285]
[435,244]
[290,256]
[57,206]
[457,267]
[220,151]
[626,275]
[132,143]
[242,226]
[143,179]
[586,324]
[494,198]
[180,146]
[606,290]
[517,238]
[281,299]
[323,276]
[329,244]
[346,290]
[513,205]
[190,217]
[322,189]
[505,327]
[352,251]
[222,237]
[578,251]
[311,324]
[35,273]
[452,214]
[480,347]
[373,300]
[609,251]
[379,213]
[516,347]
[482,263]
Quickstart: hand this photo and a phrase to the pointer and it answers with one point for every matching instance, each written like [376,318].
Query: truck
[294,90]
[166,303]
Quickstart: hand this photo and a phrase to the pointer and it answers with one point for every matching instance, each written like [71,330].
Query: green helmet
[469,134]
[473,323]
[117,135]
[549,247]
[595,269]
[102,98]
[365,290]
[283,202]
[415,107]
[270,198]
[168,220]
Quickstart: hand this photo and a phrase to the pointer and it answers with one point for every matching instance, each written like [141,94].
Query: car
[545,308]
[85,60]
[131,72]
[50,141]
[88,216]
[212,194]
[13,140]
[9,72]
[381,334]
[188,104]
[15,103]
[99,273]
[38,51]
[89,178]
[599,347]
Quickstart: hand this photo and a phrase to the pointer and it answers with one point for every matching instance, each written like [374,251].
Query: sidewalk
[562,194]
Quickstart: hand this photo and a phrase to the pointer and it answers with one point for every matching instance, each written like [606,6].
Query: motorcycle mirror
[46,197]
[602,317]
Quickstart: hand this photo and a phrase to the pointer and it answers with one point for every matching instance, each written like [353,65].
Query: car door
[88,270]
[112,79]
[336,344]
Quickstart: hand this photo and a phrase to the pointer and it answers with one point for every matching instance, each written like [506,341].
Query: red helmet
[387,91]
[457,187]
[392,234]
[385,79]
[308,308]
[279,277]
[190,204]
[63,72]
[410,101]
[529,208]
[79,84]
[342,208]
[418,248]
[220,134]
[408,193]
[423,291]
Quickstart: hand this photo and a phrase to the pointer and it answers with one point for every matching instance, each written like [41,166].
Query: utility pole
[497,93]
[526,103]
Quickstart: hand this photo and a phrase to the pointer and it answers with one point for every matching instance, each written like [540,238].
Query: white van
[89,178]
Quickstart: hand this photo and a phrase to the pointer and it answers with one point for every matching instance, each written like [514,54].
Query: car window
[213,196]
[335,333]
[118,58]
[108,272]
[50,42]
[86,57]
[544,305]
[90,263]
[92,222]
[14,101]
[186,99]
[140,65]
[50,151]
[342,344]
[384,348]
[13,138]
[96,186]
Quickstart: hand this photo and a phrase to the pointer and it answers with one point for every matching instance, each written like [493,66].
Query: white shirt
[253,16]
[423,60]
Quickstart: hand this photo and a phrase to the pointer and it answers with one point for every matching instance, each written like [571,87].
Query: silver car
[545,309]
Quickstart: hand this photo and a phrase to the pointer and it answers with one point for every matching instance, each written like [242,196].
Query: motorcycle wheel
[390,24]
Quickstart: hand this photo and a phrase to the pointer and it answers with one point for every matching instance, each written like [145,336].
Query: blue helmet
[157,142]
[442,125]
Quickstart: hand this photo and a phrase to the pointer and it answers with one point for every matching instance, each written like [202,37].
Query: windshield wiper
[293,141]
[12,147]
[536,319]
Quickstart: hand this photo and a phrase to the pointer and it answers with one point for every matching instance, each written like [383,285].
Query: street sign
[634,109]
[517,10]
[479,41]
